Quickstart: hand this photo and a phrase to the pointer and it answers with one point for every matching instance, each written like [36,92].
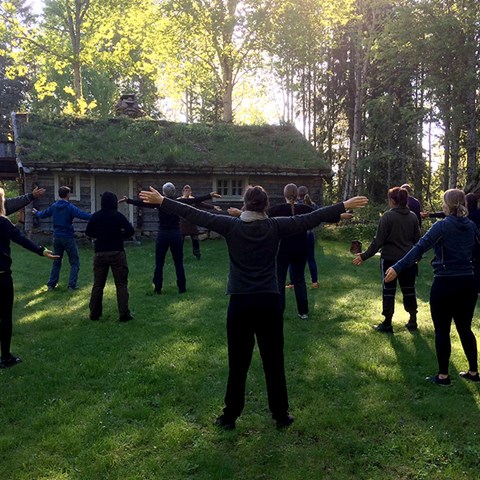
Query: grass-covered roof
[155,144]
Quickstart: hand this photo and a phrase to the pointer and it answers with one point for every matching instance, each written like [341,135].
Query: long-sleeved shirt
[167,221]
[252,246]
[294,243]
[397,232]
[63,213]
[8,232]
[17,203]
[453,240]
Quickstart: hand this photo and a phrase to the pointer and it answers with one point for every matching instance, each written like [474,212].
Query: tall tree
[223,36]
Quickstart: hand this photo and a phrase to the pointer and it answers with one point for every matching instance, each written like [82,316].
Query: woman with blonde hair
[8,232]
[453,294]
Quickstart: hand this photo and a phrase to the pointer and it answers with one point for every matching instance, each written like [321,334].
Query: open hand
[151,196]
[49,254]
[357,260]
[38,192]
[390,275]
[355,202]
[234,212]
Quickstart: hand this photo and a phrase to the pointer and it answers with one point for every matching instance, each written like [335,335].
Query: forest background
[387,92]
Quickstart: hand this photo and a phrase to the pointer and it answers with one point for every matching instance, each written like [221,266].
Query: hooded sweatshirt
[453,240]
[108,226]
[63,213]
[397,232]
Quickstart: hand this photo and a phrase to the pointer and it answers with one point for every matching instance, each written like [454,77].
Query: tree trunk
[446,155]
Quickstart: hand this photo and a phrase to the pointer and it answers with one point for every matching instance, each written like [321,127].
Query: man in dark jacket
[63,213]
[109,228]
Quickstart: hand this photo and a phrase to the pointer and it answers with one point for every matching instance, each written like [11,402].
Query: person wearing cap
[169,237]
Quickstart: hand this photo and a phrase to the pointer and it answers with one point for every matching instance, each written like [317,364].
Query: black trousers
[406,279]
[260,316]
[297,277]
[6,308]
[454,298]
[102,263]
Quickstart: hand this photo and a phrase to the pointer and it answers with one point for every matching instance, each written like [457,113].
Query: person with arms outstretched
[254,310]
[8,233]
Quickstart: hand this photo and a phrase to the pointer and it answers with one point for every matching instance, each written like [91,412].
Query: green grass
[106,400]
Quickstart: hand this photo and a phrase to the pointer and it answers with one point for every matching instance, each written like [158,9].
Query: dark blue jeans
[61,245]
[173,240]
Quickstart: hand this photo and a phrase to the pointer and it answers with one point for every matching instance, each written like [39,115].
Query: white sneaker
[303,316]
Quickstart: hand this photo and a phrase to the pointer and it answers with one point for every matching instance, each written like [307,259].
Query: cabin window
[68,180]
[230,187]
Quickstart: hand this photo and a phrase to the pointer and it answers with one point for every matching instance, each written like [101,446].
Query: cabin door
[117,185]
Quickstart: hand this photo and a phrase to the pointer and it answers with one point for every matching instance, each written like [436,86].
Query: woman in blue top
[453,294]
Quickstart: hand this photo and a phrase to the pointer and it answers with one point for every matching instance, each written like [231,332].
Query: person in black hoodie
[397,232]
[109,228]
[8,232]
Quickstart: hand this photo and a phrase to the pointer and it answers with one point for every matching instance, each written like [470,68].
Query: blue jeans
[61,245]
[173,240]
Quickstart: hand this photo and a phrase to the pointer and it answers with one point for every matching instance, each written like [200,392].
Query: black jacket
[108,226]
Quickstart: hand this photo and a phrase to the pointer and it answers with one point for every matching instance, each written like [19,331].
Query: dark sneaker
[157,291]
[10,361]
[384,328]
[226,423]
[94,317]
[72,289]
[50,288]
[126,318]
[411,326]
[284,421]
[443,382]
[468,376]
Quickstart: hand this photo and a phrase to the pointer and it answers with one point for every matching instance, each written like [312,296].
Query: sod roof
[159,144]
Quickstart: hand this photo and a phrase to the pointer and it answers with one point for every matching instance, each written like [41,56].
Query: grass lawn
[136,400]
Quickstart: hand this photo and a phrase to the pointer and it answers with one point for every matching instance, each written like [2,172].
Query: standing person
[292,251]
[188,229]
[63,213]
[413,203]
[254,309]
[453,294]
[169,237]
[14,204]
[8,232]
[109,228]
[397,232]
[304,197]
